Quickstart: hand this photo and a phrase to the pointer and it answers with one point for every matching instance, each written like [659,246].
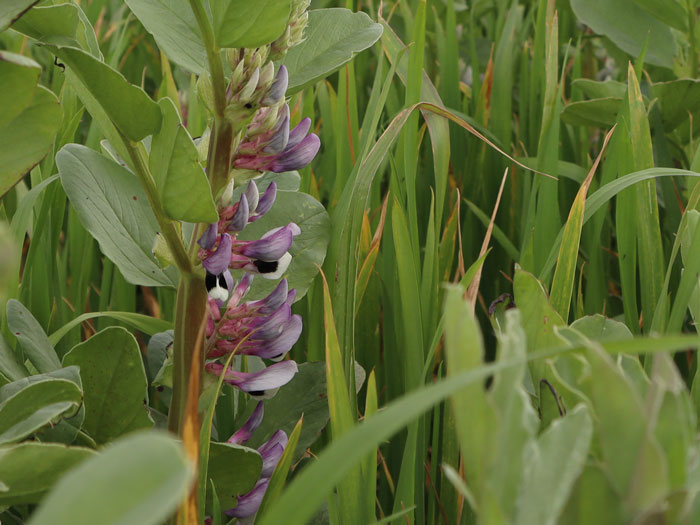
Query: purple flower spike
[278,88]
[208,238]
[271,452]
[272,246]
[299,132]
[218,261]
[277,348]
[267,200]
[297,157]
[274,376]
[243,434]
[249,503]
[252,194]
[240,218]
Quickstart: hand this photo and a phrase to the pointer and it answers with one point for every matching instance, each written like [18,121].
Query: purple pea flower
[256,383]
[292,158]
[243,434]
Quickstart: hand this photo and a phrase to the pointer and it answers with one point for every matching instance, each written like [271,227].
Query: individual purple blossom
[218,259]
[243,434]
[278,88]
[248,504]
[256,383]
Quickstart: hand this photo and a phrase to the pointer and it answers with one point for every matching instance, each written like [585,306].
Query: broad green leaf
[38,404]
[32,339]
[128,106]
[174,163]
[10,367]
[551,466]
[49,21]
[148,325]
[593,89]
[629,27]
[332,38]
[18,78]
[599,112]
[473,411]
[309,248]
[114,383]
[61,23]
[113,207]
[11,10]
[305,395]
[599,328]
[234,469]
[30,116]
[139,479]
[678,99]
[30,469]
[593,500]
[240,23]
[175,29]
[675,419]
[67,429]
[517,420]
[670,12]
[625,442]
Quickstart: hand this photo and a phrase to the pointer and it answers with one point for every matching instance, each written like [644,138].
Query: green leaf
[473,412]
[594,500]
[174,163]
[241,23]
[235,469]
[9,366]
[147,324]
[629,27]
[30,469]
[175,29]
[30,116]
[11,10]
[24,412]
[332,38]
[600,89]
[599,328]
[140,479]
[36,346]
[113,207]
[309,248]
[599,112]
[678,99]
[114,383]
[305,395]
[18,78]
[670,12]
[67,429]
[49,21]
[551,466]
[128,106]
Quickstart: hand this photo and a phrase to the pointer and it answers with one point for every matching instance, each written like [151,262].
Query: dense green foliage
[495,252]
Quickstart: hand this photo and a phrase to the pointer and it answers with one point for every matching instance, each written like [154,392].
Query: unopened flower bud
[246,94]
